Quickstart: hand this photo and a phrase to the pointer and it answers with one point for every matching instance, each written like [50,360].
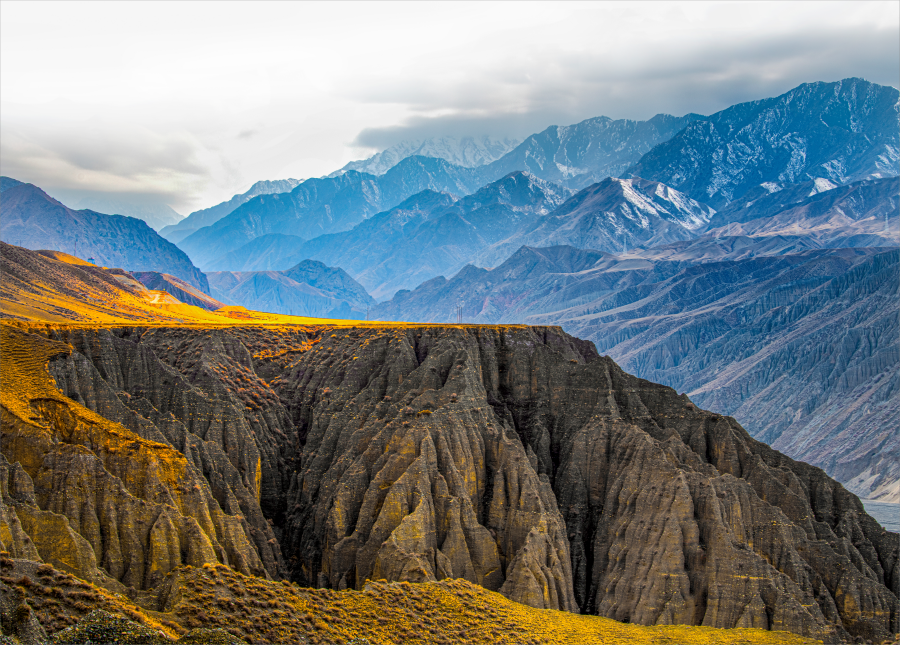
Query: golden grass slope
[55,287]
[257,610]
[449,611]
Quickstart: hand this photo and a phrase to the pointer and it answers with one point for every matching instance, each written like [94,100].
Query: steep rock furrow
[514,457]
[407,473]
[105,503]
[126,379]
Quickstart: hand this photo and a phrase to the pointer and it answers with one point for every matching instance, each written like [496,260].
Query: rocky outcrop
[99,500]
[516,458]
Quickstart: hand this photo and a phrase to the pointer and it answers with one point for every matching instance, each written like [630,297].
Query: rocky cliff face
[732,322]
[114,499]
[516,458]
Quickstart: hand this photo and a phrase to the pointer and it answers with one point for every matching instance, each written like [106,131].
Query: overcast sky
[191,103]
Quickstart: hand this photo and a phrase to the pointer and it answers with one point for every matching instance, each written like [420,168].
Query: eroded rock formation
[516,458]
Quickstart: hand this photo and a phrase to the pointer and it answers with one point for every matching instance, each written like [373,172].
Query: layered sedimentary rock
[516,458]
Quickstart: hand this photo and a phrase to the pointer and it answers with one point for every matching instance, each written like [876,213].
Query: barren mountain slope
[33,219]
[801,348]
[513,457]
[843,131]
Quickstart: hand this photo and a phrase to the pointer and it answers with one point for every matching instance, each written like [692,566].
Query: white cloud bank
[191,103]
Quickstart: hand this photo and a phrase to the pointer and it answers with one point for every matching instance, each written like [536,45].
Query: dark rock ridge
[327,205]
[198,219]
[34,220]
[431,234]
[844,131]
[800,348]
[308,289]
[516,458]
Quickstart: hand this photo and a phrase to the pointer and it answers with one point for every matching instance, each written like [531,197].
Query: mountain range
[207,216]
[468,152]
[326,205]
[843,131]
[434,233]
[33,219]
[310,288]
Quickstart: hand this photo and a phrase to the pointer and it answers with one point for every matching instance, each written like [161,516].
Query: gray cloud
[553,87]
[102,157]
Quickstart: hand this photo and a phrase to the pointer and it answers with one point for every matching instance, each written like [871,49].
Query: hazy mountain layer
[432,234]
[157,215]
[575,155]
[468,152]
[308,289]
[34,220]
[272,252]
[327,205]
[753,337]
[844,131]
[211,215]
[612,215]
